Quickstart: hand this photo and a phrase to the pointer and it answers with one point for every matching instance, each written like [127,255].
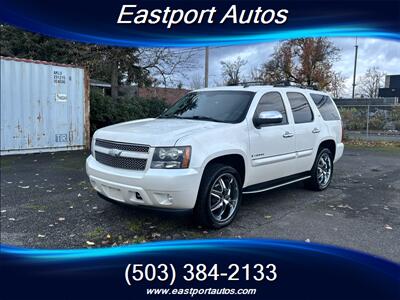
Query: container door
[61,106]
[68,107]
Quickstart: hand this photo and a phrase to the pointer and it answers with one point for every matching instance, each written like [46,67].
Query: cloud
[255,54]
[384,54]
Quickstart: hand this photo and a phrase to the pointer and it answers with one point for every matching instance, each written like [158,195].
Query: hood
[155,132]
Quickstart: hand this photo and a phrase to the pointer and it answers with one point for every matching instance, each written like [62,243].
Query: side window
[326,107]
[301,109]
[272,101]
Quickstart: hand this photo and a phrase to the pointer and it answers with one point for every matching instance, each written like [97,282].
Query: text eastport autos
[216,144]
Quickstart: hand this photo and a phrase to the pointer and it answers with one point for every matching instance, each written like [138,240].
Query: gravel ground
[47,202]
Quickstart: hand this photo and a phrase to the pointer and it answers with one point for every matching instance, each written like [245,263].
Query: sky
[384,54]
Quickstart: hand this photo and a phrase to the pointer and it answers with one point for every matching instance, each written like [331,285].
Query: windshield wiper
[204,118]
[171,117]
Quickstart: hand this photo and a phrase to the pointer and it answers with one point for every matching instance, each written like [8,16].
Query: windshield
[217,106]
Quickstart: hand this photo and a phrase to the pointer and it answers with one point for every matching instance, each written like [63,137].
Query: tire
[216,198]
[322,171]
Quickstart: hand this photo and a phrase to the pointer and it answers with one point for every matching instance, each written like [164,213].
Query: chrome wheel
[223,198]
[324,170]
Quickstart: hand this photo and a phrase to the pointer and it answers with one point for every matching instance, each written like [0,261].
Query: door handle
[316,130]
[288,134]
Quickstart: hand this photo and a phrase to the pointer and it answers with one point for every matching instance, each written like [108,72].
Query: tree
[120,66]
[337,84]
[24,44]
[231,70]
[196,82]
[117,65]
[165,64]
[256,74]
[112,64]
[306,61]
[369,84]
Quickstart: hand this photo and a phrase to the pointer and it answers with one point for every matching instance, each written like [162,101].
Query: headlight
[171,157]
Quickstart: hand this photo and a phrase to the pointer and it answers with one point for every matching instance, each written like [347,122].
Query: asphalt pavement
[47,202]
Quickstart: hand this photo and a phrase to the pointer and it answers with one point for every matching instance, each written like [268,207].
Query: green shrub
[353,118]
[105,111]
[395,116]
[377,121]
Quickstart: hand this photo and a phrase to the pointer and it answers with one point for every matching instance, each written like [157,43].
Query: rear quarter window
[326,107]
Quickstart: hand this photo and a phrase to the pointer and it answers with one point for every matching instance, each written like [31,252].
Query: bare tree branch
[197,82]
[231,70]
[165,64]
[336,85]
[370,83]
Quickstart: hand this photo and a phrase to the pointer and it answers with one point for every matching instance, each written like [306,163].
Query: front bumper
[175,189]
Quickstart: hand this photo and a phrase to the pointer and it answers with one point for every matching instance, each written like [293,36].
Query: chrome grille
[122,146]
[130,163]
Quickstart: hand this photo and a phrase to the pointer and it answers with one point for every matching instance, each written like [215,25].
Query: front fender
[211,144]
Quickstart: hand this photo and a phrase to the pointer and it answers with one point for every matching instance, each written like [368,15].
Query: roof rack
[248,83]
[288,83]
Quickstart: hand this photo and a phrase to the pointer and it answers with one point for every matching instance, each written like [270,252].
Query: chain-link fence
[371,119]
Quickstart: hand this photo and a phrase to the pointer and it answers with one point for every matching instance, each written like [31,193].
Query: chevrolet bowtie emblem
[115,152]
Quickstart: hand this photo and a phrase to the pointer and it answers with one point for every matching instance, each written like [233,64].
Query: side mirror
[268,117]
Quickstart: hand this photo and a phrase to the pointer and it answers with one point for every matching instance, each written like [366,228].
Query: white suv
[216,144]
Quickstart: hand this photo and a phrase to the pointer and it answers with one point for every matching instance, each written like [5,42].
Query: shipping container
[44,107]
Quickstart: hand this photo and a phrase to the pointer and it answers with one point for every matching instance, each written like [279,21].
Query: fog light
[164,198]
[138,196]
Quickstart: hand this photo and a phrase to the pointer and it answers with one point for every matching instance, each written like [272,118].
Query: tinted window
[326,107]
[218,106]
[301,109]
[272,102]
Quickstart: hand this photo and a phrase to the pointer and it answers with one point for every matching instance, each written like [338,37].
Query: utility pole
[206,68]
[355,69]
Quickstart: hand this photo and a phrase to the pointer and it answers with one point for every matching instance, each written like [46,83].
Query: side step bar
[273,184]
